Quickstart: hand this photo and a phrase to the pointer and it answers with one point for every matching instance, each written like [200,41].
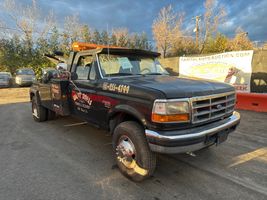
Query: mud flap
[59,94]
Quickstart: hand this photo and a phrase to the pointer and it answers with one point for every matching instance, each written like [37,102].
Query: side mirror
[74,76]
[62,66]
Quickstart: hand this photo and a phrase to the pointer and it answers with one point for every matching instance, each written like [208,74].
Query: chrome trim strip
[178,149]
[99,68]
[198,98]
[170,100]
[233,120]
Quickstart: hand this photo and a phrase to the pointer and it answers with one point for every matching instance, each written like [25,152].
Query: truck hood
[176,87]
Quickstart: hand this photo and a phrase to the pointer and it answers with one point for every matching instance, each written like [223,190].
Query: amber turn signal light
[170,118]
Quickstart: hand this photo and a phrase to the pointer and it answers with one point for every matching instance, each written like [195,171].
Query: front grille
[207,108]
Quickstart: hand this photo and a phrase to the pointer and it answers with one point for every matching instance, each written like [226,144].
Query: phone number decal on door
[116,88]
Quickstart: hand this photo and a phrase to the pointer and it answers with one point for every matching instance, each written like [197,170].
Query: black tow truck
[147,111]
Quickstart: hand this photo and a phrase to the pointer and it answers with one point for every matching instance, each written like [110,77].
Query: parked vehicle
[5,79]
[24,77]
[147,111]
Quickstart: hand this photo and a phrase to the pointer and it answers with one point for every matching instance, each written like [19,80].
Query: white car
[5,79]
[24,77]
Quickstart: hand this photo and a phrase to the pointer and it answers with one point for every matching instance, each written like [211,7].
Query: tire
[39,113]
[133,156]
[51,115]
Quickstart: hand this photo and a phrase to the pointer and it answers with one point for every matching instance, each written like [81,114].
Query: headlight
[170,111]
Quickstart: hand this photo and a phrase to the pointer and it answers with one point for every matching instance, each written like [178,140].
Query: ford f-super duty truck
[146,110]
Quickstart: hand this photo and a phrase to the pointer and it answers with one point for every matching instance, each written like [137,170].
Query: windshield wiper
[153,73]
[122,74]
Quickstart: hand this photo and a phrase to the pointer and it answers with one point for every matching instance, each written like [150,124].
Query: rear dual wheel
[133,155]
[51,115]
[40,113]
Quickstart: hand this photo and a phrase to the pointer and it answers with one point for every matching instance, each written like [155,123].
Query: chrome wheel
[134,158]
[34,110]
[125,151]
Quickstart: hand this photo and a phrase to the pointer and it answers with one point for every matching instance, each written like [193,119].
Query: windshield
[121,65]
[25,72]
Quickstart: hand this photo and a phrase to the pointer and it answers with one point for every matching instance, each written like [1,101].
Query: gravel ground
[53,160]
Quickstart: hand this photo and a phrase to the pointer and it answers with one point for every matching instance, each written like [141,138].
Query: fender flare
[128,110]
[34,92]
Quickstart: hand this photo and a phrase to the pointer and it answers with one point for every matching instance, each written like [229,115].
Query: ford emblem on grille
[219,106]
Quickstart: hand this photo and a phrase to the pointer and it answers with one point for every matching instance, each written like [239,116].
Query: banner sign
[231,67]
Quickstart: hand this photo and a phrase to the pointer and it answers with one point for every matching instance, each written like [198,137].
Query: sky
[138,15]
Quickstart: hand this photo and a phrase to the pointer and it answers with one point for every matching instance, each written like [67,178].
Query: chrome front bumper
[24,82]
[189,140]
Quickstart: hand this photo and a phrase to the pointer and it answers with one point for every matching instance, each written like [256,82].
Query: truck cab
[147,111]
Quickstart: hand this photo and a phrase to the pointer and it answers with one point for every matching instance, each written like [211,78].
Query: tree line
[35,35]
[17,53]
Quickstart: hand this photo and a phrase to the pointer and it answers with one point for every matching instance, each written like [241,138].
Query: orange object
[170,118]
[252,101]
[79,46]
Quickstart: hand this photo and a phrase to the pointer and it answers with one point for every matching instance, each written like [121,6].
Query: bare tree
[3,29]
[240,41]
[29,21]
[72,27]
[214,15]
[166,29]
[86,33]
[47,25]
[74,30]
[122,36]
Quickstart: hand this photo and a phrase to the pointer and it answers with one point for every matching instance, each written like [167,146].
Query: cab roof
[138,52]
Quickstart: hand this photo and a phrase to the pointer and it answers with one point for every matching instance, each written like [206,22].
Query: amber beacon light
[81,46]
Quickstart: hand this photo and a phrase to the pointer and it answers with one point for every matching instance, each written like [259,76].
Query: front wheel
[133,156]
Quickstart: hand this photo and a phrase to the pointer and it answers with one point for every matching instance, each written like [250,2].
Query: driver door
[83,90]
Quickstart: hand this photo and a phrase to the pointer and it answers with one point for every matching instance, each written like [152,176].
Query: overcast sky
[138,15]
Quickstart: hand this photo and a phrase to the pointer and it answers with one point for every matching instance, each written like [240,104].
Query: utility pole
[197,18]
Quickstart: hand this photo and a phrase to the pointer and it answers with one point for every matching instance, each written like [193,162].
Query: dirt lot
[14,95]
[58,160]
